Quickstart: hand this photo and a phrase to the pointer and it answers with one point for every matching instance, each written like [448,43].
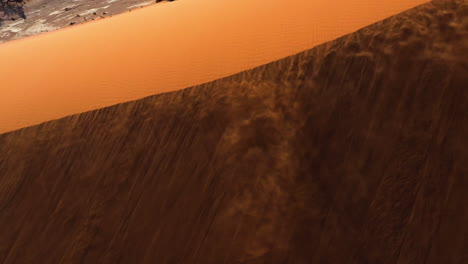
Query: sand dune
[165,47]
[352,152]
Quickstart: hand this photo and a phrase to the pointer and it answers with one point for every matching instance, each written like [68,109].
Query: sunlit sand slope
[165,47]
[352,152]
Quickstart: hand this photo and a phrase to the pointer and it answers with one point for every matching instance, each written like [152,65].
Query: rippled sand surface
[163,48]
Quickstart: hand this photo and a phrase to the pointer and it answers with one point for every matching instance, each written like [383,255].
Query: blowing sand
[352,152]
[165,47]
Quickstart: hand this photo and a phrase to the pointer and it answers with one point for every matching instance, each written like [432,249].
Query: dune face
[352,152]
[165,47]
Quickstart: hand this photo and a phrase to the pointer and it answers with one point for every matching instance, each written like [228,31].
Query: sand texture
[352,152]
[165,47]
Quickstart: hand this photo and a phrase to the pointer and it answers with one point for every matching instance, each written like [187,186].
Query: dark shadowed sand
[352,152]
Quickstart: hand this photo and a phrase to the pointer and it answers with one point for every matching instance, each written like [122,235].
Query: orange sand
[165,47]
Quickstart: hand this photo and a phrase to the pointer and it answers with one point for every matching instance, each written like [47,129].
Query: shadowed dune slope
[352,152]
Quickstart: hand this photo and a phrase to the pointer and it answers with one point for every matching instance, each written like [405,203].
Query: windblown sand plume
[352,152]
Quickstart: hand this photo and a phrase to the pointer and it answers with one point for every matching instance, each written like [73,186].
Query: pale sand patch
[90,11]
[57,12]
[38,27]
[141,5]
[12,26]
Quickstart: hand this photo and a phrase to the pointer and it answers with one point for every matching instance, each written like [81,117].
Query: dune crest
[165,47]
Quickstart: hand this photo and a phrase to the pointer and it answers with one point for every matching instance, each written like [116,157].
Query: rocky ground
[352,152]
[47,15]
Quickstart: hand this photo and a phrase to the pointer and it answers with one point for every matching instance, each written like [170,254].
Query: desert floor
[48,15]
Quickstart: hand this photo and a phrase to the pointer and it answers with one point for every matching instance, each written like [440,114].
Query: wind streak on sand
[163,48]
